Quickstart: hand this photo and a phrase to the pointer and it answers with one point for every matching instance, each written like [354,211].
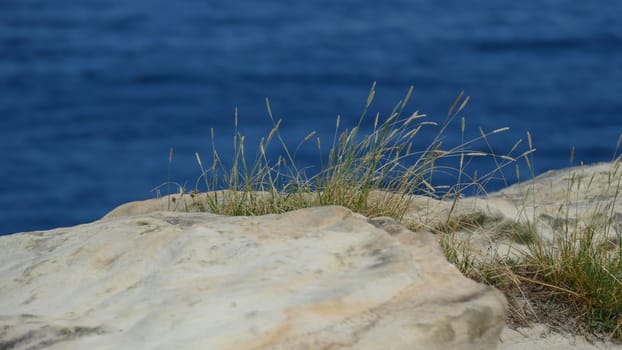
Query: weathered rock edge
[317,278]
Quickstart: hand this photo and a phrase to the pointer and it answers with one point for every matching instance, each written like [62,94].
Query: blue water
[94,93]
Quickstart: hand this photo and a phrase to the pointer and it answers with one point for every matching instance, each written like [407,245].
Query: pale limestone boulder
[319,278]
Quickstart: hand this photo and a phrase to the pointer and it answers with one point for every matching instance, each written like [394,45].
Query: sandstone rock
[183,202]
[572,197]
[550,205]
[319,278]
[554,205]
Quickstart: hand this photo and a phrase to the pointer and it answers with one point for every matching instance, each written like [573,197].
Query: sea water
[93,94]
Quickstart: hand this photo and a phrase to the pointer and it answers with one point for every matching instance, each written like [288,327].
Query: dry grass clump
[372,173]
[584,263]
[572,283]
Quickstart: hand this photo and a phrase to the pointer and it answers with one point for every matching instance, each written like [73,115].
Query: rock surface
[555,202]
[541,337]
[319,278]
